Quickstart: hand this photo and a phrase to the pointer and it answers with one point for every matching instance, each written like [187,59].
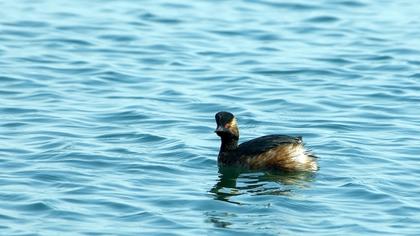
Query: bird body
[278,152]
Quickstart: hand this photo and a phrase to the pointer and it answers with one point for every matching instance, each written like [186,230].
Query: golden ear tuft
[233,122]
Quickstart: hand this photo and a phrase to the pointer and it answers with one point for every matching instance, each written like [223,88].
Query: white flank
[299,154]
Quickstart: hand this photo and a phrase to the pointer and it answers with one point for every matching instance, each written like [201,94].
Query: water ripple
[107,116]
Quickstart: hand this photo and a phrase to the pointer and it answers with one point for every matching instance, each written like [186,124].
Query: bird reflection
[234,181]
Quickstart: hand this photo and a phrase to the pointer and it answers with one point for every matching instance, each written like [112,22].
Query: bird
[270,152]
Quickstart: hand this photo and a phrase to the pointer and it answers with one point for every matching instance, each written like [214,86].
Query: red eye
[227,126]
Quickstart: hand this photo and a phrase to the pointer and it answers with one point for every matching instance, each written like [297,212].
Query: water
[107,116]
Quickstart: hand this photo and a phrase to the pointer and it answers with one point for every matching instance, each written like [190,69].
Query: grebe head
[226,125]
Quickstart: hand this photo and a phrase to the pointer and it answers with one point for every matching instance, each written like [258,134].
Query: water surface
[107,116]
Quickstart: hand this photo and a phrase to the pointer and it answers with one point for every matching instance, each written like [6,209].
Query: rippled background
[107,116]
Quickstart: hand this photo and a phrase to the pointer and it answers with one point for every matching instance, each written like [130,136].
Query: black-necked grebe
[275,152]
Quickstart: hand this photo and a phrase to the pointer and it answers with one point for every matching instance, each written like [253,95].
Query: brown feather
[290,157]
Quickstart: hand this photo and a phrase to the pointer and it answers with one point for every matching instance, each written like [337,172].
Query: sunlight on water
[107,116]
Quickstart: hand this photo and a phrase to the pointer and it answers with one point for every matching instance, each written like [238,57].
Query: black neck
[229,143]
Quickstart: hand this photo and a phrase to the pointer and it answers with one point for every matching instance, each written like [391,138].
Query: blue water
[107,116]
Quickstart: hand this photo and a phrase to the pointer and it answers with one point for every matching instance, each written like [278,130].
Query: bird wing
[264,143]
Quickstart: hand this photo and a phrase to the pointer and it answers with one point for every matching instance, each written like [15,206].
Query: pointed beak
[220,129]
